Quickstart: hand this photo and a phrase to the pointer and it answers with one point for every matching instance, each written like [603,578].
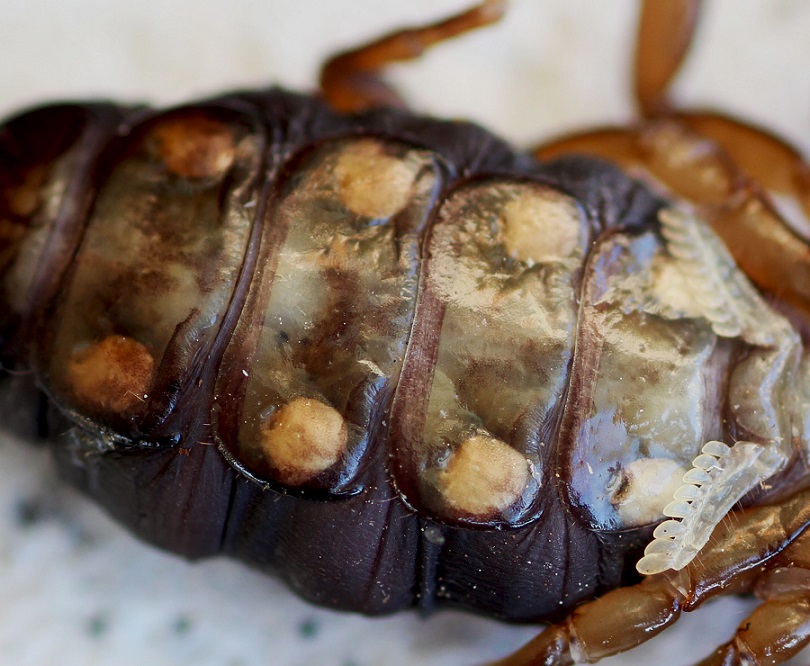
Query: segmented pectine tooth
[715,448]
[692,247]
[662,547]
[727,329]
[682,252]
[744,466]
[705,462]
[697,476]
[669,529]
[677,509]
[717,315]
[653,564]
[688,493]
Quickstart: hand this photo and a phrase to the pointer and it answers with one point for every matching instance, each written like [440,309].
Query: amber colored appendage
[665,31]
[732,563]
[351,81]
[752,187]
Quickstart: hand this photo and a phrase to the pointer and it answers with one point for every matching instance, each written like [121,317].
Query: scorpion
[674,271]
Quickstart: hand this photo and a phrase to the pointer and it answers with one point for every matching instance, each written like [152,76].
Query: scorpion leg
[776,631]
[745,545]
[775,254]
[780,627]
[665,32]
[750,186]
[351,80]
[618,621]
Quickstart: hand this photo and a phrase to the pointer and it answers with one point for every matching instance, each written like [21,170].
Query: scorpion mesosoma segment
[675,228]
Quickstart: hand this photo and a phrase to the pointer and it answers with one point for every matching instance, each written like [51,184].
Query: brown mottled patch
[113,375]
[372,183]
[194,147]
[484,477]
[303,438]
[24,198]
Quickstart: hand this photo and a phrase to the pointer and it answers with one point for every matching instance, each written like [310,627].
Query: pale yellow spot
[371,183]
[484,477]
[195,147]
[113,375]
[645,487]
[304,438]
[673,289]
[541,226]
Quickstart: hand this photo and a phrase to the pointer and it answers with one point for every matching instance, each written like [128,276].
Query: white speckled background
[75,589]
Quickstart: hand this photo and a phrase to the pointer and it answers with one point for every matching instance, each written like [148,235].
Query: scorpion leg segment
[665,32]
[780,627]
[776,631]
[666,28]
[618,621]
[351,80]
[747,551]
[768,160]
[773,163]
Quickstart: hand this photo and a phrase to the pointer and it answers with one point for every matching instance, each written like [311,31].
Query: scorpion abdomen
[368,353]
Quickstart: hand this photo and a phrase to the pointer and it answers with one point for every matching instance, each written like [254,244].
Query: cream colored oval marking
[371,183]
[484,477]
[541,226]
[643,487]
[113,375]
[304,438]
[195,147]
